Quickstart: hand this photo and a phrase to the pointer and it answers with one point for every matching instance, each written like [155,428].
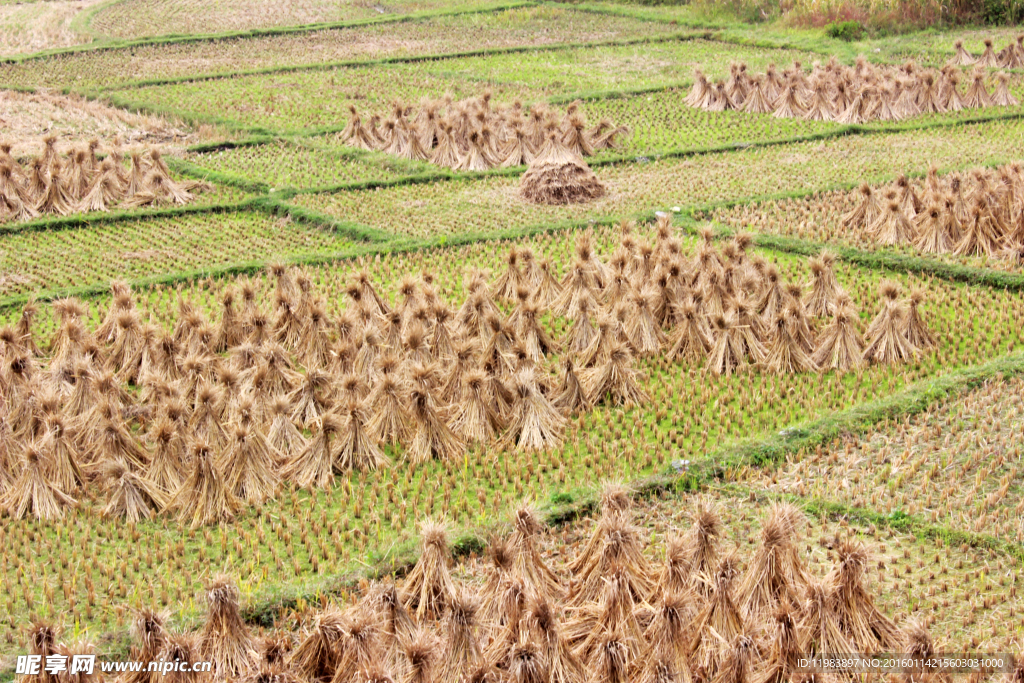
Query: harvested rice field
[142,18]
[819,218]
[28,118]
[494,204]
[305,164]
[27,27]
[518,342]
[307,99]
[956,464]
[446,33]
[58,260]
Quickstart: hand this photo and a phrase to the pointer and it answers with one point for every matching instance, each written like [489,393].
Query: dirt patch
[26,118]
[12,281]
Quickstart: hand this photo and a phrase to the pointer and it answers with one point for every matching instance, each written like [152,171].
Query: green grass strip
[888,260]
[85,220]
[646,13]
[276,206]
[375,158]
[910,524]
[80,24]
[898,520]
[222,145]
[114,100]
[187,168]
[732,39]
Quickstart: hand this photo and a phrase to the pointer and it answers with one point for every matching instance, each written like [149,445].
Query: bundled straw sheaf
[558,175]
[1010,57]
[477,134]
[849,94]
[203,418]
[610,614]
[972,213]
[79,181]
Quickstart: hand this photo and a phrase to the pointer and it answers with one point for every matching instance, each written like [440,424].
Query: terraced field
[305,164]
[697,414]
[140,18]
[493,204]
[912,465]
[269,280]
[502,28]
[57,260]
[818,218]
[299,100]
[27,27]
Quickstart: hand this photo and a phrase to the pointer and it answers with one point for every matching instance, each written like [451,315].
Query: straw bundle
[32,492]
[475,135]
[536,424]
[720,620]
[851,95]
[858,616]
[785,354]
[785,646]
[179,647]
[821,622]
[149,636]
[225,639]
[962,57]
[559,176]
[58,184]
[976,215]
[429,587]
[462,647]
[358,448]
[431,435]
[313,466]
[775,575]
[840,346]
[614,548]
[527,563]
[615,379]
[316,657]
[250,466]
[204,496]
[915,330]
[887,334]
[131,496]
